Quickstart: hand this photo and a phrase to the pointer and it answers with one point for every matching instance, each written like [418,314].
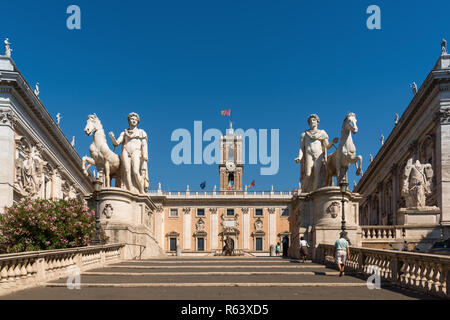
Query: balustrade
[27,269]
[423,272]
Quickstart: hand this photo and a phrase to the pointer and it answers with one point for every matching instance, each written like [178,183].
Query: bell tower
[231,167]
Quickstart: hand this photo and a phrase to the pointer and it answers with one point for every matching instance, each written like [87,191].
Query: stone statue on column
[134,155]
[417,179]
[312,155]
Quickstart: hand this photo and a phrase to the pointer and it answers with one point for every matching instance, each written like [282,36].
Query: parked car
[441,247]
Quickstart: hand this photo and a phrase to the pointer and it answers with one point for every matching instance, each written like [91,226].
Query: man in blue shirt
[341,251]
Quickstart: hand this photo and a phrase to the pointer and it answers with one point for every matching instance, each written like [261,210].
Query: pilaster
[187,221]
[7,154]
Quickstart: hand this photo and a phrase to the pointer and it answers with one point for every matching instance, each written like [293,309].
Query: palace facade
[422,133]
[200,221]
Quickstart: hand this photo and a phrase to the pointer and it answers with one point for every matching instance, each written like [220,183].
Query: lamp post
[343,186]
[97,189]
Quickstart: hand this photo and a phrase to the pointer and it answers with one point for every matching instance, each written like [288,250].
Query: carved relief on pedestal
[29,165]
[108,211]
[334,209]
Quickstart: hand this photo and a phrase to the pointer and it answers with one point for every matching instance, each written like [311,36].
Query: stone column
[380,202]
[245,229]
[187,228]
[7,156]
[57,187]
[214,228]
[272,226]
[395,188]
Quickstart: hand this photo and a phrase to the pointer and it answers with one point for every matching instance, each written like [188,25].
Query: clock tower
[231,166]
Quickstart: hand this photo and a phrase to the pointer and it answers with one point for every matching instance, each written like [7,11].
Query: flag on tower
[251,184]
[226,112]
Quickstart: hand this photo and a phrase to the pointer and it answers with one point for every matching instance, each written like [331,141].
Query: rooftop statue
[345,155]
[36,89]
[417,179]
[102,156]
[312,155]
[8,49]
[134,155]
[444,46]
[413,86]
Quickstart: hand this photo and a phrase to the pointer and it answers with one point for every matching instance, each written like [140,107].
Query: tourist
[341,252]
[303,249]
[278,249]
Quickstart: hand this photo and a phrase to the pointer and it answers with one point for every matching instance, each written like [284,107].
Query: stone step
[214,284]
[249,273]
[252,267]
[231,278]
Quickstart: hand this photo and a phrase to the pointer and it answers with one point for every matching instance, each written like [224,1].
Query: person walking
[341,252]
[278,249]
[303,249]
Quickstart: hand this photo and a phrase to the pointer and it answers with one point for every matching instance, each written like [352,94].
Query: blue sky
[272,62]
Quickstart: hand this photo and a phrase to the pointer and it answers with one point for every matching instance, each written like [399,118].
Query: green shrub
[47,224]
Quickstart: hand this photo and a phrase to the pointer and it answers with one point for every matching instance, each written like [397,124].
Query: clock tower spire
[231,167]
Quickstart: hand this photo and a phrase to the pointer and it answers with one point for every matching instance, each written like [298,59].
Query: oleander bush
[41,224]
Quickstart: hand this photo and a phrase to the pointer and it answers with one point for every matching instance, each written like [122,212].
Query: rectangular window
[285,213]
[201,212]
[259,212]
[200,244]
[173,213]
[259,244]
[230,212]
[173,244]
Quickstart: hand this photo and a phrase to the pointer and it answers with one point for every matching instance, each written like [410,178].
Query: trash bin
[272,250]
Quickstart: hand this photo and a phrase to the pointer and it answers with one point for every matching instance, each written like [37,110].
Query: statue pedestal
[321,214]
[421,225]
[128,218]
[416,216]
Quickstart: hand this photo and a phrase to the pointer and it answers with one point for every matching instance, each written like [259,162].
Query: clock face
[230,166]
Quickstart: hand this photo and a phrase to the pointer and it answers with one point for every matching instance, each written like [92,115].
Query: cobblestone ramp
[208,278]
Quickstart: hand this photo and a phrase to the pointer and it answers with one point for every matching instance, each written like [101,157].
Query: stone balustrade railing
[380,232]
[23,270]
[221,193]
[427,273]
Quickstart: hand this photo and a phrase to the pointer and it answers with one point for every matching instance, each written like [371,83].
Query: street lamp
[97,189]
[343,186]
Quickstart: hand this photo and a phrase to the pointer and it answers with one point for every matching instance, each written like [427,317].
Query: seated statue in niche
[228,248]
[417,180]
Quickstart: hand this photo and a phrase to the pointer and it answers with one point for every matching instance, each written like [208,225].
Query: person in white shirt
[303,249]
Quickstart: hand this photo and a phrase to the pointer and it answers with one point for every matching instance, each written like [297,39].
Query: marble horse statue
[102,156]
[345,155]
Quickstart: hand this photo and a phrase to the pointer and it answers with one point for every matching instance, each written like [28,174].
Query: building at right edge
[422,133]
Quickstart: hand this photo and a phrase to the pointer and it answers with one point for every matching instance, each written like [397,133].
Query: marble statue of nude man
[134,155]
[312,155]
